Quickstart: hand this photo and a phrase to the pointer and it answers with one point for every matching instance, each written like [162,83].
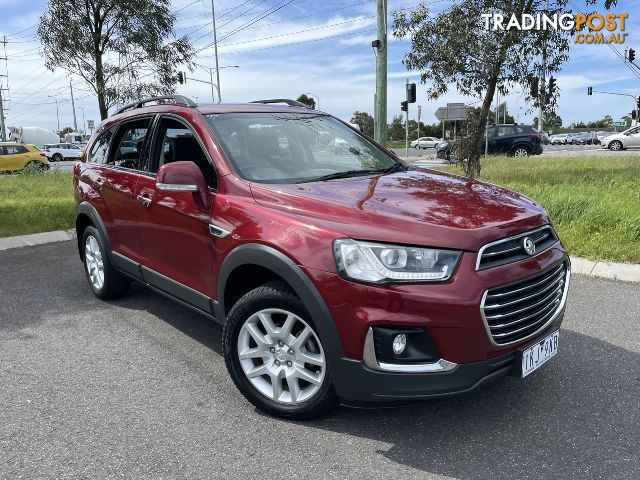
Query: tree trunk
[100,87]
[472,166]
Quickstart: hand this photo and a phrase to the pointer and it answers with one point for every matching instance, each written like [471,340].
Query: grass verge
[32,203]
[594,201]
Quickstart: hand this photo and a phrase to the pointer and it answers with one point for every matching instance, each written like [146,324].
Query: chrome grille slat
[511,249]
[516,311]
[556,272]
[544,289]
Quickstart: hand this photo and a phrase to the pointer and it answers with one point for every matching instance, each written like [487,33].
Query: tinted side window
[100,149]
[178,144]
[131,150]
[21,149]
[504,131]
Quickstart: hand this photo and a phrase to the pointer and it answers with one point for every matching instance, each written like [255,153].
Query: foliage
[122,49]
[453,47]
[309,101]
[602,123]
[594,201]
[365,121]
[551,120]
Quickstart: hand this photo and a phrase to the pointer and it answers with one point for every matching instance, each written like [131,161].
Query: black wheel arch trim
[85,208]
[283,266]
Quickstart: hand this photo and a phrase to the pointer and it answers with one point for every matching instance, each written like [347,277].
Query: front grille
[515,311]
[512,249]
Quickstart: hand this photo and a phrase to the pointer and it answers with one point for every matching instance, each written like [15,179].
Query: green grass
[31,203]
[593,201]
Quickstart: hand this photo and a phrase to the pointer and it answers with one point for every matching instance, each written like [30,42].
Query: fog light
[399,343]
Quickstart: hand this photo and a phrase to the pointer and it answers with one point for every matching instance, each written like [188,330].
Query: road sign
[91,124]
[452,112]
[619,124]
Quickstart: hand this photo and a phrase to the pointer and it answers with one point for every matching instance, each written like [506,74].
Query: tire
[616,146]
[57,158]
[521,152]
[256,322]
[104,280]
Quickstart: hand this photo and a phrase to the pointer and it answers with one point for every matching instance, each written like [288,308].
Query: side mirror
[182,177]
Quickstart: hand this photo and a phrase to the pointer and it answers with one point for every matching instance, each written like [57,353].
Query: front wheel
[275,356]
[616,146]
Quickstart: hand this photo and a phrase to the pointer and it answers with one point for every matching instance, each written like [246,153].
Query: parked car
[425,142]
[18,156]
[545,138]
[562,139]
[335,275]
[600,136]
[583,138]
[623,140]
[510,139]
[57,152]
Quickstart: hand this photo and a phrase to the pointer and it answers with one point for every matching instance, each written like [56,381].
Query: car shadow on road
[575,418]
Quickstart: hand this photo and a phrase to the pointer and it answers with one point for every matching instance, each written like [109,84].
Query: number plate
[538,354]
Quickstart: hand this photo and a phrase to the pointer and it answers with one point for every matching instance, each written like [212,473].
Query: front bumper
[358,384]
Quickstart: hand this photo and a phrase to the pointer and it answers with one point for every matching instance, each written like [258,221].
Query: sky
[307,46]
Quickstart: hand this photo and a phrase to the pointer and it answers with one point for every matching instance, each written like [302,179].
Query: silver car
[426,142]
[623,140]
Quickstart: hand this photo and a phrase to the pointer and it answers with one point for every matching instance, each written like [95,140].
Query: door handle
[144,200]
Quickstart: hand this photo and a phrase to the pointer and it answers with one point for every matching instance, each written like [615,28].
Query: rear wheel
[616,145]
[57,157]
[520,152]
[105,281]
[275,356]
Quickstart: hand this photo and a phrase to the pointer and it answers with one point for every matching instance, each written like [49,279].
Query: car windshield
[296,147]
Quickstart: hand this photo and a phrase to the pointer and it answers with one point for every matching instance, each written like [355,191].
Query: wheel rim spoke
[281,356]
[93,262]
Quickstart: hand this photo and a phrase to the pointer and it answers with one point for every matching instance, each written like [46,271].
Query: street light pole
[215,47]
[84,123]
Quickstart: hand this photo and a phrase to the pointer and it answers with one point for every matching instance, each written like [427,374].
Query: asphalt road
[137,388]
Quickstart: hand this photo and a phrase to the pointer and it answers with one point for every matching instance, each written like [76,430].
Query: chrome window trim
[370,360]
[555,315]
[503,240]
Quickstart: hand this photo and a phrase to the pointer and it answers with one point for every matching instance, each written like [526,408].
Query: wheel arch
[276,265]
[87,215]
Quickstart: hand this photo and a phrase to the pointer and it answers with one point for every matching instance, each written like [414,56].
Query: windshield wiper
[356,173]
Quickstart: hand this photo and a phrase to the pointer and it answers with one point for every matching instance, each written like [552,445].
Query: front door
[633,138]
[174,226]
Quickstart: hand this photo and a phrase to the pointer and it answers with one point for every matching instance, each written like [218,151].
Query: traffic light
[634,114]
[404,106]
[552,86]
[535,87]
[631,55]
[589,90]
[182,78]
[411,93]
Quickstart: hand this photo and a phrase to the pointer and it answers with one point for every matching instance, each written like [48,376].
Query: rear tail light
[537,136]
[42,154]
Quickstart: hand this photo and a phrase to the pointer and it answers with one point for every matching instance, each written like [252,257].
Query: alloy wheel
[521,152]
[281,356]
[615,146]
[94,263]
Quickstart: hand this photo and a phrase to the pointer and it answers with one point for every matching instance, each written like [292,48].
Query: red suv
[337,271]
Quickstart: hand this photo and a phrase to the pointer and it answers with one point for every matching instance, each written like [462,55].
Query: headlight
[380,263]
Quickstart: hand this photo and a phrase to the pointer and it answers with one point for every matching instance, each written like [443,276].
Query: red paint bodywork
[419,207]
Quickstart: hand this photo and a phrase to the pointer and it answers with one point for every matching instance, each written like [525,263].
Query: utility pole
[73,106]
[419,112]
[3,130]
[381,74]
[57,112]
[215,48]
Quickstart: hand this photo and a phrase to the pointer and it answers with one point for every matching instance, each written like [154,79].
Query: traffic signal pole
[381,75]
[636,104]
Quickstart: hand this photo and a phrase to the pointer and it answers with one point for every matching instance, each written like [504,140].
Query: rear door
[178,249]
[505,138]
[114,176]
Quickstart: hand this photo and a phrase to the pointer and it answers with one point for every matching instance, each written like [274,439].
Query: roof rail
[291,103]
[175,100]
